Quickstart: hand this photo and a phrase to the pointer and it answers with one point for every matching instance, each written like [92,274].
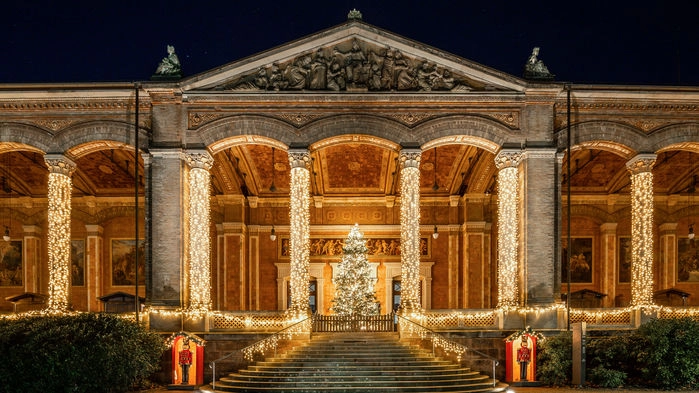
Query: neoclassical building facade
[233,189]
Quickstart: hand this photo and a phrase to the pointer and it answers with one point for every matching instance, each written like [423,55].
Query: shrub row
[76,353]
[662,353]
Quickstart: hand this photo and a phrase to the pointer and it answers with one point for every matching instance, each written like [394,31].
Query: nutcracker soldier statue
[185,360]
[523,358]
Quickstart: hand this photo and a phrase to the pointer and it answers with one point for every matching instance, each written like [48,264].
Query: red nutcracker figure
[185,361]
[523,358]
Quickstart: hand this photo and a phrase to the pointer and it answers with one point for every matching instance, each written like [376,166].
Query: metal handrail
[259,345]
[446,344]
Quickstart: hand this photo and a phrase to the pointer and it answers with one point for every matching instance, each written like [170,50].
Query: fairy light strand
[410,230]
[508,228]
[299,228]
[641,230]
[199,238]
[60,187]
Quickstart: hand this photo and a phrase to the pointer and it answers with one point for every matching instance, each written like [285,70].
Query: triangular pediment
[353,57]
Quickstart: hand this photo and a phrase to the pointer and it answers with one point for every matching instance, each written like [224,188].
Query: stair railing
[406,326]
[267,343]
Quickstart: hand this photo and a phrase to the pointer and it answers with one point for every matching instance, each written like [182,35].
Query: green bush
[554,360]
[76,353]
[608,360]
[607,378]
[668,350]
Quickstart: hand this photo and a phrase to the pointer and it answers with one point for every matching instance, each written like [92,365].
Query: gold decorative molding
[54,124]
[411,118]
[198,119]
[511,119]
[298,119]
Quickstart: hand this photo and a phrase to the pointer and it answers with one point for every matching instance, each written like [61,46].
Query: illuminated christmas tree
[354,284]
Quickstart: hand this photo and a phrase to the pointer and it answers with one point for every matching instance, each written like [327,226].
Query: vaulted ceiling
[342,170]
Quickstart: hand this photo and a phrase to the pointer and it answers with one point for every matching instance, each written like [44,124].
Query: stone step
[363,373]
[481,388]
[355,363]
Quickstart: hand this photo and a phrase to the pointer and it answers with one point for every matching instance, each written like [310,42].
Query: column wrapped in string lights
[60,187]
[640,168]
[410,230]
[507,163]
[199,274]
[299,231]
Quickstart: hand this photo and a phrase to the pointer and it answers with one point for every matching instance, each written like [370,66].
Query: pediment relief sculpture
[354,66]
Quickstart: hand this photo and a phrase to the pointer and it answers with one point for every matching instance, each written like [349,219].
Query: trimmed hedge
[76,353]
[662,353]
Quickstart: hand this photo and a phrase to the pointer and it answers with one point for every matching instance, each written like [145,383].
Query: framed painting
[11,267]
[77,263]
[124,262]
[624,260]
[580,260]
[687,260]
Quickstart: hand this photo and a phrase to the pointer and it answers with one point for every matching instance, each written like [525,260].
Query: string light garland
[299,231]
[199,237]
[641,229]
[410,230]
[508,228]
[60,187]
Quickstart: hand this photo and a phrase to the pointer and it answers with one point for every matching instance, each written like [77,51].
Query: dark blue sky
[581,42]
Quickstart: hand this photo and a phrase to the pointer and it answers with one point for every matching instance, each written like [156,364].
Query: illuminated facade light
[199,274]
[299,231]
[640,168]
[410,230]
[60,187]
[508,228]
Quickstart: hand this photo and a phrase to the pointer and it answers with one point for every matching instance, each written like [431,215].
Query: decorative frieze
[355,66]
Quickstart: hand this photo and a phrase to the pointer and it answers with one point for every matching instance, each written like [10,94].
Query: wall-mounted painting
[687,260]
[580,260]
[77,263]
[11,263]
[624,260]
[124,262]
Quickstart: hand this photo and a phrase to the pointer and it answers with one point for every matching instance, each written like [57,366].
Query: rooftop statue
[354,14]
[169,67]
[535,68]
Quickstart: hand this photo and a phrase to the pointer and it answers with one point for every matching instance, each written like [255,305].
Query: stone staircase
[357,362]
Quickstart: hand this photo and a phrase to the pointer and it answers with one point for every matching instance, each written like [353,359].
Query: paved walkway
[515,389]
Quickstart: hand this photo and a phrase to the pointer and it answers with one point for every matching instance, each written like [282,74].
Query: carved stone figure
[318,76]
[336,76]
[359,69]
[169,66]
[535,68]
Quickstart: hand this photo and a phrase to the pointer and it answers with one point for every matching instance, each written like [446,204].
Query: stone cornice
[408,117]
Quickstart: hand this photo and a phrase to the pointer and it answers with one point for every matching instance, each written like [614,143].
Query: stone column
[410,229]
[199,212]
[540,219]
[94,262]
[641,229]
[60,188]
[609,256]
[477,264]
[299,231]
[508,228]
[668,255]
[32,256]
[167,196]
[231,269]
[454,251]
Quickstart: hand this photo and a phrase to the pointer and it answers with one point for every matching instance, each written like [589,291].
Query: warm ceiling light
[690,235]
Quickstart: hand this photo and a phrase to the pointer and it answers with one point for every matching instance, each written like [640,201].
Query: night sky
[647,43]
